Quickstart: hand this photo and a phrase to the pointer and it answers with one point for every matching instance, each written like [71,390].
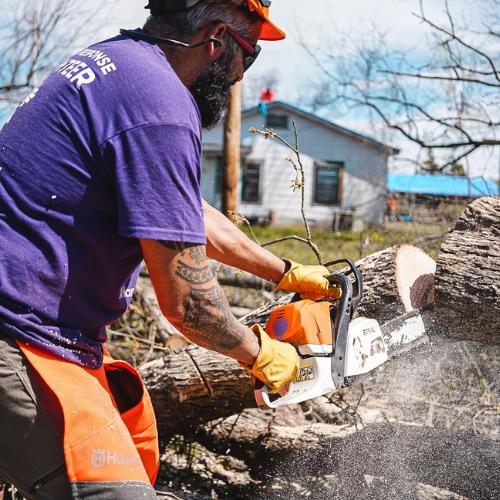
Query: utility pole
[232,140]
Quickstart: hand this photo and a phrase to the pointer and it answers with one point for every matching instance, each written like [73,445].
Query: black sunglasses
[250,52]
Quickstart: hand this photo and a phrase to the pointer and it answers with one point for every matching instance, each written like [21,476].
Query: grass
[336,245]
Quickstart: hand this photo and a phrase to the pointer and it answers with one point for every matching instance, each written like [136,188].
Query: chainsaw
[333,348]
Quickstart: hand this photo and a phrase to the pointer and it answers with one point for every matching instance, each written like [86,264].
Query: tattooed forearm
[194,275]
[197,254]
[209,322]
[206,317]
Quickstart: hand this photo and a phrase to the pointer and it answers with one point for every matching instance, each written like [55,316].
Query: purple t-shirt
[105,152]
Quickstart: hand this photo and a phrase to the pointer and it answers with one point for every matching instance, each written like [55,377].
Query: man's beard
[211,91]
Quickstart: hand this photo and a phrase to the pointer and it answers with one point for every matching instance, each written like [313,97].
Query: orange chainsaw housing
[302,323]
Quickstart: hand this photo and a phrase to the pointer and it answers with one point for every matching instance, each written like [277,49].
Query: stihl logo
[100,458]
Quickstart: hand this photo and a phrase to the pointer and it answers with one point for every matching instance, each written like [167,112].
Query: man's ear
[217,31]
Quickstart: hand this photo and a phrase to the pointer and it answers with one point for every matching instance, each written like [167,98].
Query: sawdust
[425,427]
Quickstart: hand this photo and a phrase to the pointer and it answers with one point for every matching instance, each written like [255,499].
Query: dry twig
[298,183]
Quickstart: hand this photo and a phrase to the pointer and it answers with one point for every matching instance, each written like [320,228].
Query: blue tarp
[442,185]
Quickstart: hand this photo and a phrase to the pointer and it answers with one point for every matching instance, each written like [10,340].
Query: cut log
[397,280]
[194,386]
[468,274]
[203,385]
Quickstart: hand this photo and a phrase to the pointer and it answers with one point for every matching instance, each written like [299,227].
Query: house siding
[363,180]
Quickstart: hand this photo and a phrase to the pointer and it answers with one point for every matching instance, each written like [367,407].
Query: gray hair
[184,24]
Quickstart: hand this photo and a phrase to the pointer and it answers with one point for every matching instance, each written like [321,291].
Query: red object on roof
[267,95]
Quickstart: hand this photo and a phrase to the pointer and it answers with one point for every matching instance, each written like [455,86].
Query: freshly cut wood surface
[468,274]
[397,280]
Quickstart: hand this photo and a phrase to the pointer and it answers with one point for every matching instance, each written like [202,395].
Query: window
[327,182]
[276,121]
[250,181]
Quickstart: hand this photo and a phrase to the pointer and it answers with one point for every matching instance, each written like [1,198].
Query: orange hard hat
[269,30]
[258,7]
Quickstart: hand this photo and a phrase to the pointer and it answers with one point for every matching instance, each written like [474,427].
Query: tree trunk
[195,386]
[203,385]
[232,159]
[468,274]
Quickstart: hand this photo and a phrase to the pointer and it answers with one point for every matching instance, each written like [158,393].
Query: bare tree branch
[452,35]
[299,183]
[37,36]
[449,104]
[440,77]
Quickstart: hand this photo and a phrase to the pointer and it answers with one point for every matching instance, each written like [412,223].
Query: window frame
[280,115]
[339,165]
[259,163]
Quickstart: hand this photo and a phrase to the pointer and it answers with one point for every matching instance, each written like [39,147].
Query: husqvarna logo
[98,458]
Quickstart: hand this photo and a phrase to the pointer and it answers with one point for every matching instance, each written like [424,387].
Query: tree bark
[203,385]
[468,274]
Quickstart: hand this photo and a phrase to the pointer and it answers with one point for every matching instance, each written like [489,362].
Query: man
[99,169]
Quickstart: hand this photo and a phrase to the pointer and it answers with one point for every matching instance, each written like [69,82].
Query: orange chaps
[110,437]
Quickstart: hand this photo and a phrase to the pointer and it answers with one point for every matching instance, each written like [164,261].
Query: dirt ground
[425,427]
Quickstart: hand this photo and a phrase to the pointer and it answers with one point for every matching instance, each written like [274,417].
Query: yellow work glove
[277,363]
[309,281]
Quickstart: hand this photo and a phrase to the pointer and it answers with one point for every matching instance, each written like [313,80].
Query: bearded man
[100,169]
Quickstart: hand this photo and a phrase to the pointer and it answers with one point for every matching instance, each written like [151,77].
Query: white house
[345,172]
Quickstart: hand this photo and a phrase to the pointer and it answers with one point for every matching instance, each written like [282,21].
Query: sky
[316,22]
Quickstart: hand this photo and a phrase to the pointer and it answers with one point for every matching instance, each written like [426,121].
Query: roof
[442,185]
[326,123]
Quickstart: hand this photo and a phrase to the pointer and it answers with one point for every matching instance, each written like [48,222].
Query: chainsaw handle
[264,400]
[358,280]
[314,379]
[340,326]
